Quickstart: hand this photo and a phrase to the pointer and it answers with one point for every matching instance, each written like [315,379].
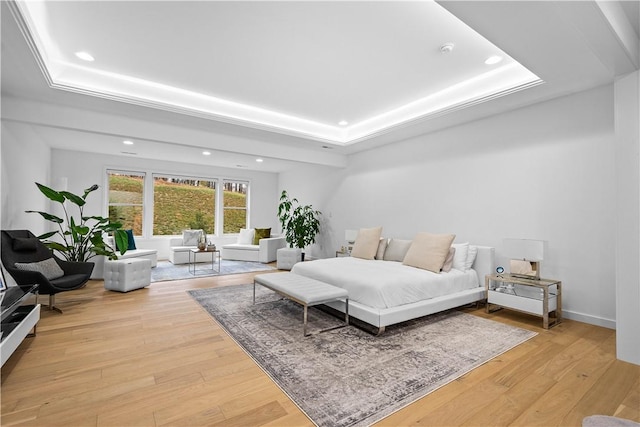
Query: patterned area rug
[165,270]
[348,377]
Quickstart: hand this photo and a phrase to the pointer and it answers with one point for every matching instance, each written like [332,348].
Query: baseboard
[587,318]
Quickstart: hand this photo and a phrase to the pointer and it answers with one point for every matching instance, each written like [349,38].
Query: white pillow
[396,250]
[471,257]
[366,244]
[191,237]
[460,257]
[246,236]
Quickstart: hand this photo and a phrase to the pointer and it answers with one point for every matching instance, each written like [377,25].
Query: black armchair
[21,246]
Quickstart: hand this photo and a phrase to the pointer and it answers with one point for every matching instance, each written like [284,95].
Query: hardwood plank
[154,357]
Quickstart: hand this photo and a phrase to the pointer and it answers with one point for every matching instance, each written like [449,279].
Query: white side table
[125,275]
[540,297]
[288,257]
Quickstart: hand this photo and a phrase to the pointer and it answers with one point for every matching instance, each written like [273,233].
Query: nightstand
[540,297]
[340,254]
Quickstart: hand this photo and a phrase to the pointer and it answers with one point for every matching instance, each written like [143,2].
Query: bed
[382,293]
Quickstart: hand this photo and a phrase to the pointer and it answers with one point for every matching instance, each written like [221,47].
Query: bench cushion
[304,289]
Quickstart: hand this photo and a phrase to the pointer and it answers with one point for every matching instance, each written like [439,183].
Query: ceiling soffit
[472,83]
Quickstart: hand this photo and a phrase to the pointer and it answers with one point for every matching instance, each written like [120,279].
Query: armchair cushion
[131,243]
[25,244]
[191,237]
[48,267]
[261,233]
[246,236]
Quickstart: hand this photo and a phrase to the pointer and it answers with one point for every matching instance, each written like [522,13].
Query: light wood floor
[153,357]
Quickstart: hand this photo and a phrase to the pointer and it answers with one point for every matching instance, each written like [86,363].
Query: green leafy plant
[300,223]
[198,223]
[80,240]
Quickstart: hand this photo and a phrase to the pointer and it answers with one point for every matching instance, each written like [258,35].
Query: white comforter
[385,284]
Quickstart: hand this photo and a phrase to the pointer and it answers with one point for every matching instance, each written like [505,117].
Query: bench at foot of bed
[303,290]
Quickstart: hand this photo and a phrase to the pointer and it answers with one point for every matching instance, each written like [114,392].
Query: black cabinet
[18,319]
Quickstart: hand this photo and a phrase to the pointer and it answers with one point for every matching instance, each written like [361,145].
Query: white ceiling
[318,62]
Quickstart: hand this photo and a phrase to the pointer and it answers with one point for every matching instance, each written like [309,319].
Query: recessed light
[206,153]
[343,122]
[127,142]
[259,160]
[85,56]
[446,48]
[493,60]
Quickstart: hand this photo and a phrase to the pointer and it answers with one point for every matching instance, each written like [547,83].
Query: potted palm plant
[80,239]
[300,223]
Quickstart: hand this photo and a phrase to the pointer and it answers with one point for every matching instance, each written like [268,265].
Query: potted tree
[300,223]
[80,239]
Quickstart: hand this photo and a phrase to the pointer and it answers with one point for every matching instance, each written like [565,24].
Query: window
[183,202]
[235,204]
[126,191]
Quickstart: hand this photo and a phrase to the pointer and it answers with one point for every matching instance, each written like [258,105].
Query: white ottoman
[127,274]
[287,257]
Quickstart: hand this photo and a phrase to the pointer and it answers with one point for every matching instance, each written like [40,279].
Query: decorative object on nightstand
[342,252]
[525,256]
[350,237]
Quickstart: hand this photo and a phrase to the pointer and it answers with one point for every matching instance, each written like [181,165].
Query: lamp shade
[524,249]
[350,235]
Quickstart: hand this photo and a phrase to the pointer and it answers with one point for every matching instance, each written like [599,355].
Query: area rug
[165,270]
[347,376]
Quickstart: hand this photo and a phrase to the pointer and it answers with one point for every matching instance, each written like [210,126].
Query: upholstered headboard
[484,263]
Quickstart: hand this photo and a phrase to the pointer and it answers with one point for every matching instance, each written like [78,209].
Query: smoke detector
[446,48]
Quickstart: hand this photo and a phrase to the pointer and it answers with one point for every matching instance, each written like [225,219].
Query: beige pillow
[366,244]
[448,262]
[429,251]
[382,246]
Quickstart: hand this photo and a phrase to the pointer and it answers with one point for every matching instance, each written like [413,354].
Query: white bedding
[385,284]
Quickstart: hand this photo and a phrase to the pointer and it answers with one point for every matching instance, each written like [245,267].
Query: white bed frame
[382,317]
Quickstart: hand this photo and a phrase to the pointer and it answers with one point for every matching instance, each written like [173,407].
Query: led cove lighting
[127,142]
[85,56]
[84,78]
[493,60]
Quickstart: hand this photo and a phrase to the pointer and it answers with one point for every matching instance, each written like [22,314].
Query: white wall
[540,172]
[26,159]
[627,103]
[81,170]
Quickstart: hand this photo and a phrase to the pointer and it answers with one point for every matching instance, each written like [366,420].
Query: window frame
[246,208]
[108,204]
[148,203]
[216,182]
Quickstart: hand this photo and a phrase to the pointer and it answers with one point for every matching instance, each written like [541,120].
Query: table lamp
[525,256]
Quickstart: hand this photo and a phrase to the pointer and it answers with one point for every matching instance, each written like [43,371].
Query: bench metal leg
[304,327]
